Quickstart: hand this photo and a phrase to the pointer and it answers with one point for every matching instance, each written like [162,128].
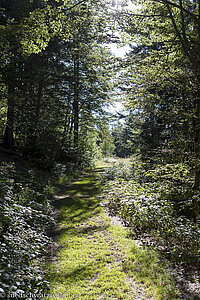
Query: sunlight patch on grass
[150,271]
[86,266]
[145,267]
[96,258]
[101,164]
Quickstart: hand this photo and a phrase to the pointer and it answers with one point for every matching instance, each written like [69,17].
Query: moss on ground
[97,260]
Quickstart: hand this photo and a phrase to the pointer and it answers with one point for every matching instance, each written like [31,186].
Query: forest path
[92,257]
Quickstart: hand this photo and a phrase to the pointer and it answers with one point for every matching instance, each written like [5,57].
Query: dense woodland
[58,77]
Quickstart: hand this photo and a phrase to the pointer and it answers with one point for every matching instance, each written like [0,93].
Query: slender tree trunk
[196,185]
[8,138]
[39,100]
[76,101]
[35,125]
[66,124]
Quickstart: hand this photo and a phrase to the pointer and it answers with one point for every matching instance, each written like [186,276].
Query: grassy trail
[95,259]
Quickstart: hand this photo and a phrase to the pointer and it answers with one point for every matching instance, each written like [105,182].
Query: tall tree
[71,75]
[164,72]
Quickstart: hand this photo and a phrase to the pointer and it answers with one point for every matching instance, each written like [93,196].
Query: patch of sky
[125,4]
[121,48]
[124,40]
[119,51]
[115,107]
[117,113]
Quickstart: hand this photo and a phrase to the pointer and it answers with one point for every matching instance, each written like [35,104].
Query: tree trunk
[39,99]
[35,124]
[76,102]
[8,138]
[196,185]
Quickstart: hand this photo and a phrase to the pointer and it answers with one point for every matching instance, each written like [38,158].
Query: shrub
[158,203]
[25,214]
[117,171]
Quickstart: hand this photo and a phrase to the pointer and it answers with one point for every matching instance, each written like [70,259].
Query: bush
[117,171]
[25,214]
[158,203]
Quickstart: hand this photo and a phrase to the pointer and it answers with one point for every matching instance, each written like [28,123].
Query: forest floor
[95,257]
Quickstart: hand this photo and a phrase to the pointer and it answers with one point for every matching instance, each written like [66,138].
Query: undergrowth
[157,201]
[25,217]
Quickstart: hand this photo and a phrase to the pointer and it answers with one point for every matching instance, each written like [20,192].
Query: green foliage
[162,76]
[118,170]
[158,203]
[26,215]
[60,45]
[41,26]
[106,140]
[88,147]
[126,134]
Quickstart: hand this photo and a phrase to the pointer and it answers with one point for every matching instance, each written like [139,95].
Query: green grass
[110,161]
[96,260]
[101,163]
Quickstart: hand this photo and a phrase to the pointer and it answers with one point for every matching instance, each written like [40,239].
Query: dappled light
[100,149]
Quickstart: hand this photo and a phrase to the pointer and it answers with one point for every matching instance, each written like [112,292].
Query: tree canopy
[58,78]
[55,74]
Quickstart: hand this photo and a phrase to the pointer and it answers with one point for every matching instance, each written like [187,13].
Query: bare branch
[130,14]
[172,4]
[79,3]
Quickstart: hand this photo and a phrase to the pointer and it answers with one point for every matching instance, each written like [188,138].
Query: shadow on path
[77,202]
